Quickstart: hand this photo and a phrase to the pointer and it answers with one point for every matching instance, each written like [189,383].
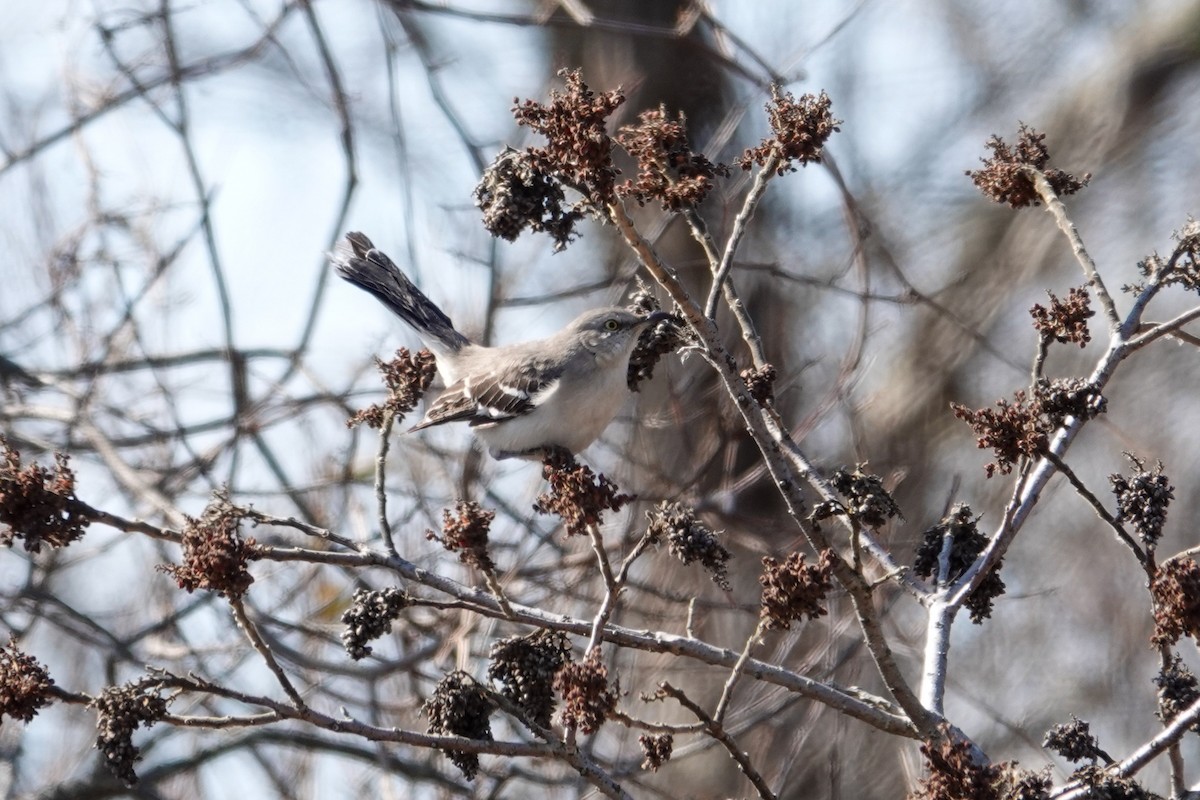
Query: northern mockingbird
[521,399]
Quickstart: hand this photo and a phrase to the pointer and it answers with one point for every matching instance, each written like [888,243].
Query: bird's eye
[611,324]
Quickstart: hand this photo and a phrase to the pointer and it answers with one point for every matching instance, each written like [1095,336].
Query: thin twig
[735,673]
[1059,211]
[1097,506]
[243,621]
[385,436]
[717,731]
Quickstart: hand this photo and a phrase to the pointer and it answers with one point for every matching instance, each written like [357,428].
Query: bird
[521,400]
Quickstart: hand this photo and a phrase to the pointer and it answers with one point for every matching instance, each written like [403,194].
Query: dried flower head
[799,131]
[214,552]
[760,382]
[515,193]
[1178,689]
[1182,268]
[526,666]
[954,774]
[577,495]
[578,151]
[460,707]
[24,683]
[1065,320]
[793,590]
[668,171]
[958,530]
[667,336]
[1004,176]
[1074,741]
[587,699]
[1142,499]
[1175,590]
[466,532]
[656,749]
[1099,782]
[406,376]
[1022,429]
[370,616]
[689,539]
[866,499]
[37,505]
[123,709]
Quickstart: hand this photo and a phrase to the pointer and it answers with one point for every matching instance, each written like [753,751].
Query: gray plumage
[521,399]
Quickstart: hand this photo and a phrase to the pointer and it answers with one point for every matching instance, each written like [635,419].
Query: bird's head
[612,331]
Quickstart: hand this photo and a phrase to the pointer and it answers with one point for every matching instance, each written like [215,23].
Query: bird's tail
[357,260]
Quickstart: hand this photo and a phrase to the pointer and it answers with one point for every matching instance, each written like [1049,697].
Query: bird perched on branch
[522,399]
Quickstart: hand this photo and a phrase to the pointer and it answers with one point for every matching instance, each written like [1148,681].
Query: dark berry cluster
[959,530]
[460,707]
[1074,741]
[370,616]
[689,539]
[525,667]
[955,774]
[123,709]
[1142,499]
[656,749]
[1176,594]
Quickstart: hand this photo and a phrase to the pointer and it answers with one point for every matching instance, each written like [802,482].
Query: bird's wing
[491,398]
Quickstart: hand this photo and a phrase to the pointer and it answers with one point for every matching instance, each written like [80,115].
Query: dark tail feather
[371,270]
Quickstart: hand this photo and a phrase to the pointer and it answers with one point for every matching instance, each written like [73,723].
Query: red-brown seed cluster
[1073,741]
[1176,594]
[24,683]
[955,774]
[515,193]
[466,532]
[587,698]
[123,709]
[1004,176]
[689,539]
[656,749]
[38,505]
[214,552]
[577,495]
[668,171]
[793,590]
[525,666]
[1065,320]
[406,377]
[800,129]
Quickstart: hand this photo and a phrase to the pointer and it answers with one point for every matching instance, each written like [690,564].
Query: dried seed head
[526,666]
[1176,594]
[1004,177]
[1073,741]
[587,699]
[406,376]
[657,749]
[799,130]
[866,499]
[24,683]
[466,532]
[370,616]
[460,707]
[578,151]
[38,505]
[123,709]
[793,590]
[515,193]
[577,495]
[689,539]
[955,774]
[966,543]
[668,171]
[1178,688]
[1142,499]
[214,553]
[1065,320]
